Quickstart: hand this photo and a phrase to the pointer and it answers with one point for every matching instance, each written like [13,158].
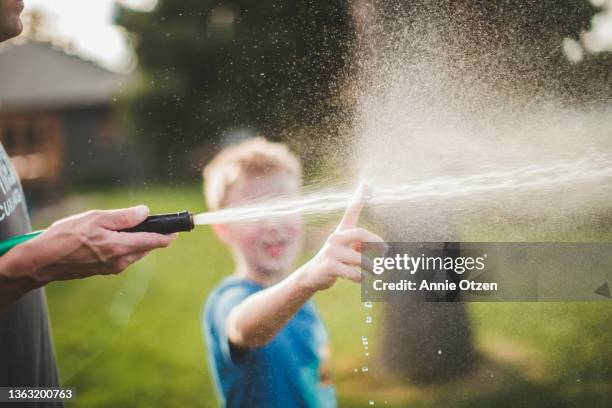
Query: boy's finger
[351,215]
[367,264]
[360,235]
[348,272]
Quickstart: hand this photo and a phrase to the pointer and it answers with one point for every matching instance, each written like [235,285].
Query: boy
[266,343]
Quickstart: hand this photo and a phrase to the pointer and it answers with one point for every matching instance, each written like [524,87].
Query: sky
[89,27]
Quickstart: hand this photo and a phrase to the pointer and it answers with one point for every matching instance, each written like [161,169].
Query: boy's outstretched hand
[340,256]
[256,320]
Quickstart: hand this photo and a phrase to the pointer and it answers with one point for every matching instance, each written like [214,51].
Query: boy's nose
[272,228]
[278,225]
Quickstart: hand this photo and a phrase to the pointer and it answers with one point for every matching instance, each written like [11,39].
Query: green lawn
[134,340]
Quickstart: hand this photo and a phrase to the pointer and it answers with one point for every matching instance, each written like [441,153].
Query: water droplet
[368,319]
[439,352]
[368,305]
[364,369]
[371,402]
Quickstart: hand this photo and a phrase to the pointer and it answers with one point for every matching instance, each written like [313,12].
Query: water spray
[491,183]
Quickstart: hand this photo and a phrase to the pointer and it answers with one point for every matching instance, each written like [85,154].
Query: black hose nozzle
[165,223]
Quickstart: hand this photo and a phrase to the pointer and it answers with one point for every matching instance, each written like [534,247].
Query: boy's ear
[221,230]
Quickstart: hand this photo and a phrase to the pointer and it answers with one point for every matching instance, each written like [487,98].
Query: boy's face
[271,246]
[10,23]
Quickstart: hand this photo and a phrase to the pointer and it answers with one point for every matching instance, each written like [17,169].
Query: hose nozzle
[165,223]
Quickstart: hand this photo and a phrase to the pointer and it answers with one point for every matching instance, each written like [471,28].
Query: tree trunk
[427,342]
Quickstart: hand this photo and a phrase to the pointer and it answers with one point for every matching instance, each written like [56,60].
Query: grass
[134,340]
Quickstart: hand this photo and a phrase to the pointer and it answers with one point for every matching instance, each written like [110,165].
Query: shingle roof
[37,75]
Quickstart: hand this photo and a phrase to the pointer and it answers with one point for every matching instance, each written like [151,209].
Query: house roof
[36,75]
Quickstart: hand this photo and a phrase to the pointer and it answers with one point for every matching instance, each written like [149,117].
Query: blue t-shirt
[289,371]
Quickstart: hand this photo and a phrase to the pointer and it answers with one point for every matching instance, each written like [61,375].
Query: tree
[209,67]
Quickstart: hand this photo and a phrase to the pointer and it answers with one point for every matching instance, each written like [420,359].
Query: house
[57,123]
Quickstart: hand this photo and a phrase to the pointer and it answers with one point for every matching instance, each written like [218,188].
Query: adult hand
[87,244]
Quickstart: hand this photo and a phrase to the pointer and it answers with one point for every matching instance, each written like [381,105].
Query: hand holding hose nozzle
[159,223]
[91,243]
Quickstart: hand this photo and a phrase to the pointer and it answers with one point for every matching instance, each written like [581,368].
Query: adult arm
[77,247]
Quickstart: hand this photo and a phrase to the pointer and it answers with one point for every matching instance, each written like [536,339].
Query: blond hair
[253,158]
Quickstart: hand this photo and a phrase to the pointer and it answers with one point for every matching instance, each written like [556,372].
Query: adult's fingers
[123,218]
[85,269]
[119,264]
[351,215]
[133,258]
[135,242]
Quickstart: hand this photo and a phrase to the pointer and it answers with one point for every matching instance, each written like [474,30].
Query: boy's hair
[253,158]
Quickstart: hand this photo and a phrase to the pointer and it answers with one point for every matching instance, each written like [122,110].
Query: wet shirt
[289,371]
[26,349]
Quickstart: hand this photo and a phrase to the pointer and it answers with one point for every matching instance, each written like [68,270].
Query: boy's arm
[256,320]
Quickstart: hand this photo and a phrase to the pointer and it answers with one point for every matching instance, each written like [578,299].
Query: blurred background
[107,104]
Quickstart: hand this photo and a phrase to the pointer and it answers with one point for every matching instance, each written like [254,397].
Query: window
[34,143]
